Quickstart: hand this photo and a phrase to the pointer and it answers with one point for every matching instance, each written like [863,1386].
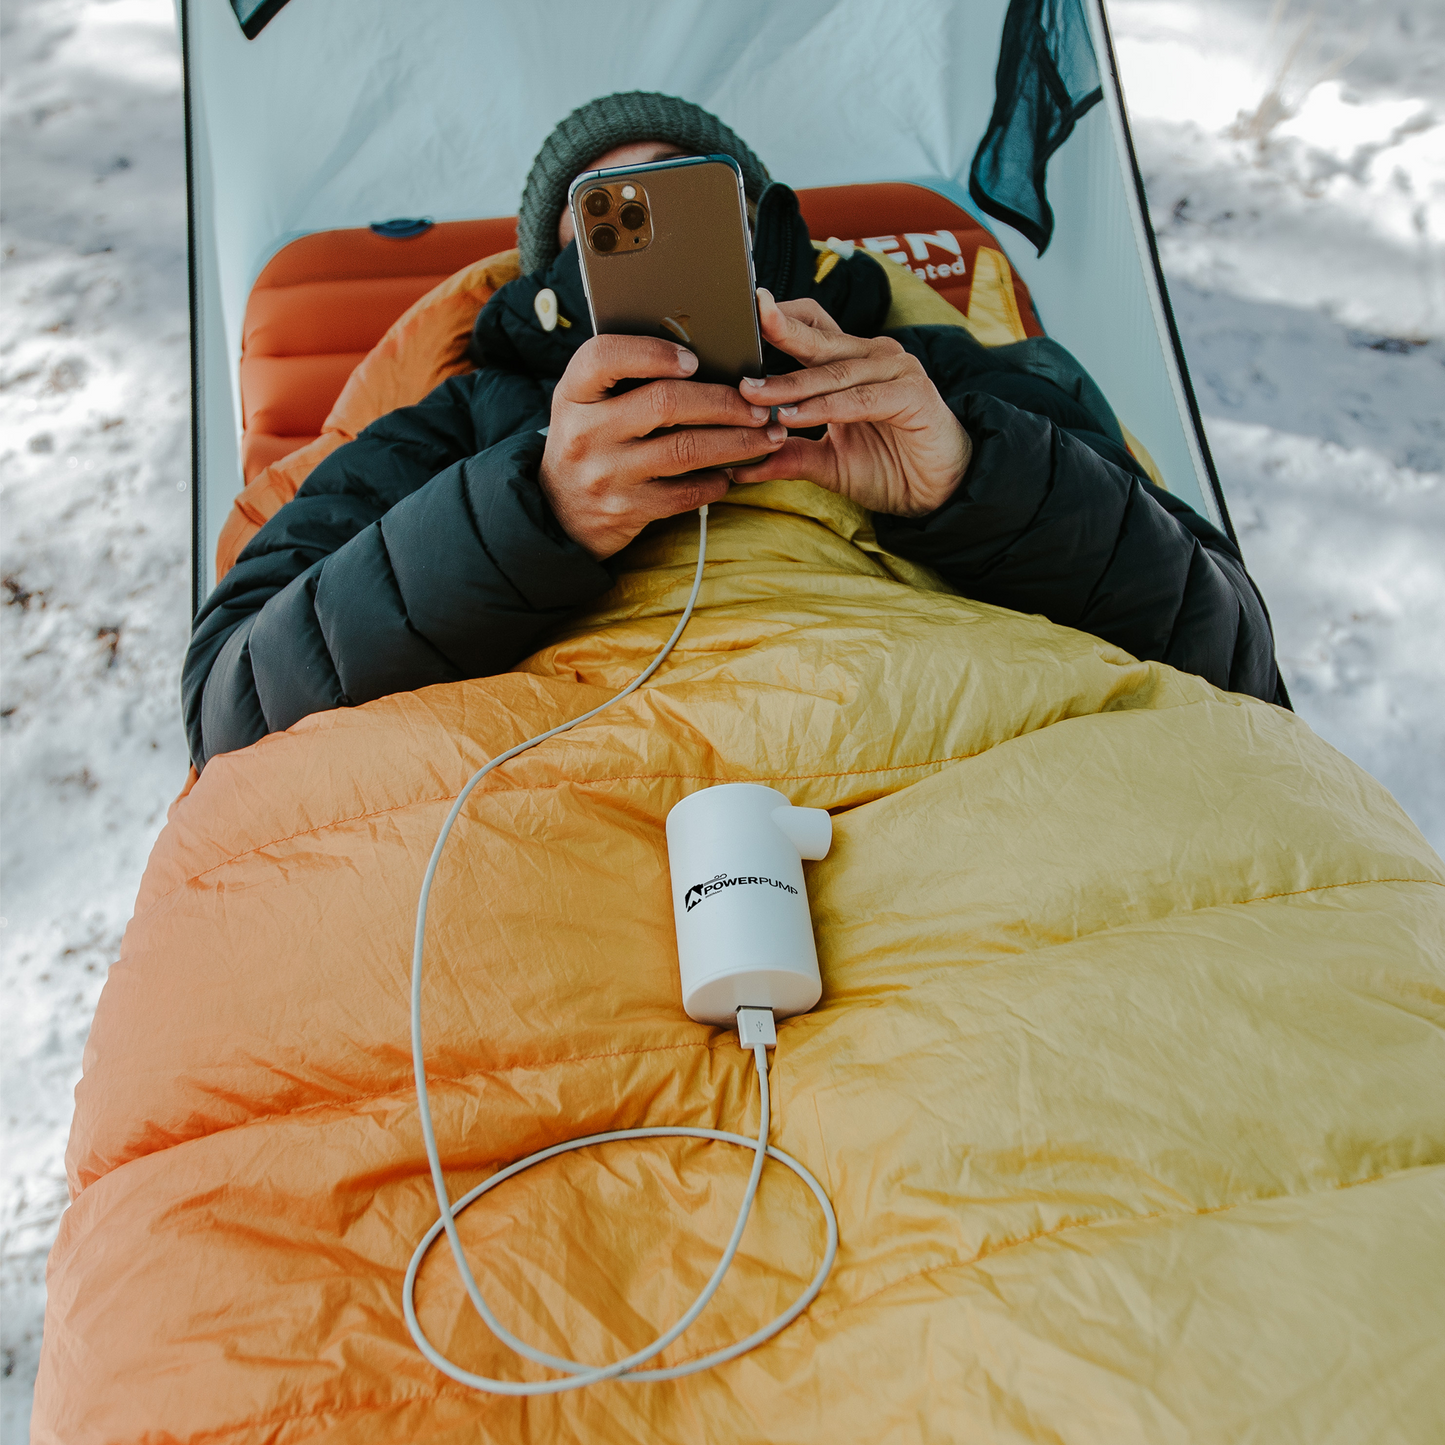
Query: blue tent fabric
[1047,78]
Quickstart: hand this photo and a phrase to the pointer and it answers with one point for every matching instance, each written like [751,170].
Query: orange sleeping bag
[1125,1082]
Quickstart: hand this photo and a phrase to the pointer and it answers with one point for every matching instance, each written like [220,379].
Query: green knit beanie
[594,129]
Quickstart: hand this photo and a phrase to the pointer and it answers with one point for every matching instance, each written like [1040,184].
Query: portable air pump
[747,957]
[744,933]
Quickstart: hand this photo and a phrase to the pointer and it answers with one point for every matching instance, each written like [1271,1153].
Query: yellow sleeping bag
[1127,1083]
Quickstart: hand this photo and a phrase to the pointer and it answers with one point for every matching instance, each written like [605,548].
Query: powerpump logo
[719,881]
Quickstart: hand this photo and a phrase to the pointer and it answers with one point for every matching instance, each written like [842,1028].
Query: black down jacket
[425,552]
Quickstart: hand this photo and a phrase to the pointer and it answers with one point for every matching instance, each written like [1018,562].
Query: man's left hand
[892,444]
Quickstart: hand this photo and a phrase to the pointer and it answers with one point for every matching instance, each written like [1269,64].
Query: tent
[345,113]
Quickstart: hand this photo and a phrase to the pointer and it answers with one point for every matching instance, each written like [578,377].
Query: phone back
[672,259]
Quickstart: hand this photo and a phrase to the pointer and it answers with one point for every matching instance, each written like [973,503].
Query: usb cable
[756,1030]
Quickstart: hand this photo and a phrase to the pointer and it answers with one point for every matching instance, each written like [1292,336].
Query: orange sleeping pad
[319,305]
[322,302]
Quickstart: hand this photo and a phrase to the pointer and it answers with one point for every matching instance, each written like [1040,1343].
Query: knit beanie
[594,129]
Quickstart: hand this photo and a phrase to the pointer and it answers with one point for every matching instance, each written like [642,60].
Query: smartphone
[665,252]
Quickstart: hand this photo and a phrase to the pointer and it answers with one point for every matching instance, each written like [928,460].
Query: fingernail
[760,413]
[776,433]
[787,411]
[755,381]
[766,296]
[686,360]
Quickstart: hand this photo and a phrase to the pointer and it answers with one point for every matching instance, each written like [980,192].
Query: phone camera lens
[604,238]
[598,203]
[633,217]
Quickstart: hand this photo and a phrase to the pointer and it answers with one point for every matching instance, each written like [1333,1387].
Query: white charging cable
[755,1031]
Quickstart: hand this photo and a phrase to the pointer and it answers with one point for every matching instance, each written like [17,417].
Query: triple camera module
[621,215]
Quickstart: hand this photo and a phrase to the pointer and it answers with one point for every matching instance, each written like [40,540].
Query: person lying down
[450,538]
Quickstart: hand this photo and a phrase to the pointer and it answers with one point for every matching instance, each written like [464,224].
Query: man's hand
[892,444]
[604,474]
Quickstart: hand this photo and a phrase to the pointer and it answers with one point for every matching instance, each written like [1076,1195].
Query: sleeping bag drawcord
[755,1031]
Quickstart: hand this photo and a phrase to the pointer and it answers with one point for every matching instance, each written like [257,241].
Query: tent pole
[1148,248]
[198,488]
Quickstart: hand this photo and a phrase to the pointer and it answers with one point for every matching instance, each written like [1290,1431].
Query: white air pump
[744,933]
[745,947]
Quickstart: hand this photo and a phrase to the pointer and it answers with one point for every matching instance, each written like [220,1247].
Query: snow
[1294,156]
[94,456]
[1298,190]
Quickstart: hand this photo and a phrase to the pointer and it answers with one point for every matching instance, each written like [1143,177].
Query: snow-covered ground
[1299,194]
[94,457]
[1294,154]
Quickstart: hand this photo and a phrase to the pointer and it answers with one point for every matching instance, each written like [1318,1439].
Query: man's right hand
[604,474]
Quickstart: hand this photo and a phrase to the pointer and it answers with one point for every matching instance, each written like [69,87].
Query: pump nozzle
[809,830]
